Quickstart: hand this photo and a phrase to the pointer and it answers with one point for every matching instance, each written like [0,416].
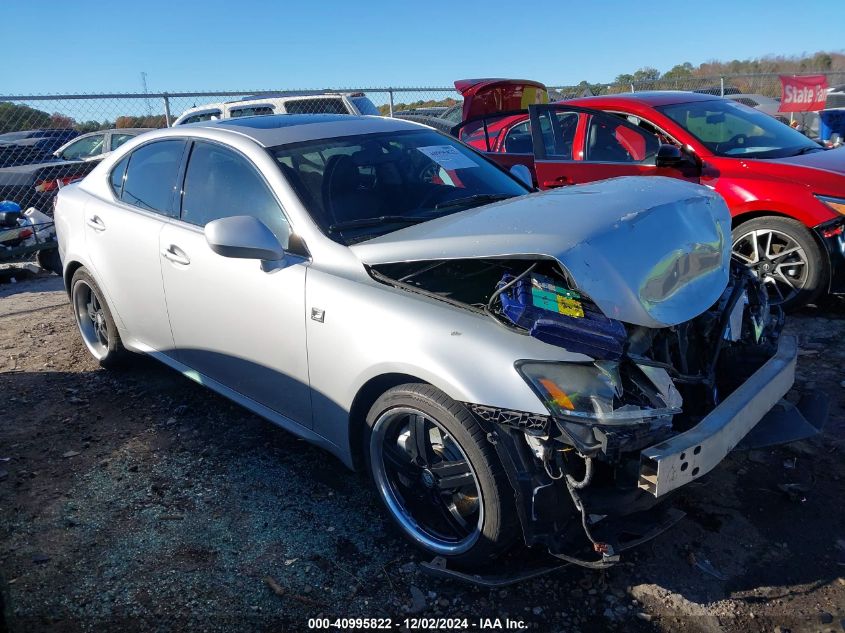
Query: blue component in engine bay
[560,316]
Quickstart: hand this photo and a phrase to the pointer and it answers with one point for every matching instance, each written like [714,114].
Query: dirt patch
[138,500]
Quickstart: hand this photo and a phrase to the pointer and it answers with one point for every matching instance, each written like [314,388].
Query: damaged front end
[654,408]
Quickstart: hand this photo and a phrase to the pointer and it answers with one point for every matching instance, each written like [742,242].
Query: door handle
[176,255]
[96,223]
[560,181]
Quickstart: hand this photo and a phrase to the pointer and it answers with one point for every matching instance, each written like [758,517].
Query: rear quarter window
[117,174]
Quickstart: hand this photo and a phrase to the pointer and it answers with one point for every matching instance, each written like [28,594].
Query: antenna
[146,92]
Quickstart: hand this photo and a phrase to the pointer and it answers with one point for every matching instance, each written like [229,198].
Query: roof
[270,130]
[117,130]
[293,95]
[648,98]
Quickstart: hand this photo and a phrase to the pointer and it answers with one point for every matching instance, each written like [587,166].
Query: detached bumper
[686,457]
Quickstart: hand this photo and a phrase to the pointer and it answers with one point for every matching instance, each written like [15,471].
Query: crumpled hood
[650,251]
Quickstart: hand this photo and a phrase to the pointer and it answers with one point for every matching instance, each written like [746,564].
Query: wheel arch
[742,218]
[70,269]
[364,399]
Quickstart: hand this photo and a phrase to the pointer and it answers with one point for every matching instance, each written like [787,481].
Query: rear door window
[557,130]
[518,140]
[151,176]
[612,140]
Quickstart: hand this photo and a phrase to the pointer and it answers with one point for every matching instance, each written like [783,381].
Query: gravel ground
[137,500]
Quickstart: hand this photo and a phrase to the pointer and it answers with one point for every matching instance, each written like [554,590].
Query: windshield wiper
[480,198]
[376,221]
[807,149]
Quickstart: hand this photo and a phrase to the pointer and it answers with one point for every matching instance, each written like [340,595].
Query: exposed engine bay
[581,470]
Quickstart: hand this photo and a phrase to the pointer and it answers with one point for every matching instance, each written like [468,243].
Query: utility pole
[146,92]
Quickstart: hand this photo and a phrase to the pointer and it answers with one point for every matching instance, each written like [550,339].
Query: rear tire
[94,320]
[785,257]
[438,477]
[49,260]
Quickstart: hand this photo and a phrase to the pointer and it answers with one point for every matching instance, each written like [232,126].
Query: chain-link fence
[762,84]
[47,141]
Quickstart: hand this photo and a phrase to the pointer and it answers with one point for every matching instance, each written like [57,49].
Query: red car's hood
[832,160]
[488,96]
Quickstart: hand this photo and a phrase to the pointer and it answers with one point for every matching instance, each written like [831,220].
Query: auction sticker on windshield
[447,157]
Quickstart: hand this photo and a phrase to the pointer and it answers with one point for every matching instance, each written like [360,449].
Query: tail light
[25,233]
[46,186]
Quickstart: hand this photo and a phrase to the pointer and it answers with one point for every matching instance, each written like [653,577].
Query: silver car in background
[507,365]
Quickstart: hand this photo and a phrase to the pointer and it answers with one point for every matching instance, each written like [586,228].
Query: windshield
[729,128]
[357,187]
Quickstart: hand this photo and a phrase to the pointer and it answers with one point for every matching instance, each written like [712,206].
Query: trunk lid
[483,97]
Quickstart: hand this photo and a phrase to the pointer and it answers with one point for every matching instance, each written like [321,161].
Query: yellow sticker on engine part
[570,307]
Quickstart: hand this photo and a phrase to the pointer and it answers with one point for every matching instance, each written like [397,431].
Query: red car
[786,192]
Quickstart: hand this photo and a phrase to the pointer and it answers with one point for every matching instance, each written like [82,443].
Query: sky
[58,46]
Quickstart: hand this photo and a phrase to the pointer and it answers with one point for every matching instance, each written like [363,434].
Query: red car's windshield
[732,129]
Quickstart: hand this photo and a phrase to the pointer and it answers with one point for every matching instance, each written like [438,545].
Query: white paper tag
[447,157]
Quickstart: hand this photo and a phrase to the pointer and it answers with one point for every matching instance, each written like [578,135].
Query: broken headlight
[594,392]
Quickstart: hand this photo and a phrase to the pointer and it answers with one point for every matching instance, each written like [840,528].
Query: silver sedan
[508,365]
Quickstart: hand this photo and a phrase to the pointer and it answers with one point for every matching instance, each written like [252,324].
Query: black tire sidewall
[49,260]
[116,352]
[499,527]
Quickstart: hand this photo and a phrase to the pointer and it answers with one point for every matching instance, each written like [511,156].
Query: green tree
[679,71]
[646,74]
[15,117]
[92,126]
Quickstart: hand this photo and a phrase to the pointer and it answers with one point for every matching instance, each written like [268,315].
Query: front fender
[369,329]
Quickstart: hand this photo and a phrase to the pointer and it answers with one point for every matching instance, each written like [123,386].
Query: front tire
[94,320]
[438,477]
[785,256]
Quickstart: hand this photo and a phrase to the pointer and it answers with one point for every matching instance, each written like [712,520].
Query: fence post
[390,95]
[166,110]
[721,86]
[632,87]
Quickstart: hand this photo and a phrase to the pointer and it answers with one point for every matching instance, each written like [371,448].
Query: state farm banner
[802,94]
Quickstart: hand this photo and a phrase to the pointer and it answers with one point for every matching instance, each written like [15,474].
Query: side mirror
[57,154]
[243,237]
[523,174]
[668,156]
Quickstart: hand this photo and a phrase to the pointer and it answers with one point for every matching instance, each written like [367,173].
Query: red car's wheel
[784,255]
